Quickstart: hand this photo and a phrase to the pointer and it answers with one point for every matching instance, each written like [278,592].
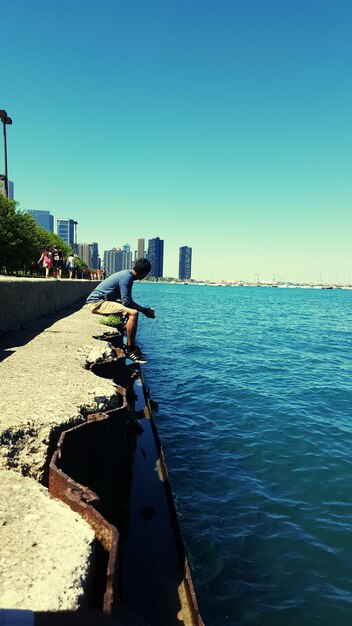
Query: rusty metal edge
[79,499]
[187,578]
[191,594]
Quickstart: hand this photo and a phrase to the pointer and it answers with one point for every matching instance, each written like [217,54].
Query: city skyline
[227,128]
[90,252]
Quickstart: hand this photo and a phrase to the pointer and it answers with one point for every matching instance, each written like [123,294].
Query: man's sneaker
[134,354]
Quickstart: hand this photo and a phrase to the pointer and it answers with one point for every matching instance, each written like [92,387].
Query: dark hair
[142,266]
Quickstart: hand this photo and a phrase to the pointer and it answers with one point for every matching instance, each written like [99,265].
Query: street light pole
[5,120]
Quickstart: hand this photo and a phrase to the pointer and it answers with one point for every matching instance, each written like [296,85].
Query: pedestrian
[58,260]
[71,264]
[113,296]
[46,261]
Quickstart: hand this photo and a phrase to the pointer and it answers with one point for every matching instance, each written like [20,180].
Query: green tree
[22,240]
[10,233]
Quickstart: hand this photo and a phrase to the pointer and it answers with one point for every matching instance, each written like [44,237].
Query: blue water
[255,416]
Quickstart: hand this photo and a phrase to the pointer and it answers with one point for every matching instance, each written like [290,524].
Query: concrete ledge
[45,387]
[27,299]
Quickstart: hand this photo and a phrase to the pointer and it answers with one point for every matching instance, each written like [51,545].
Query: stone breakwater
[45,387]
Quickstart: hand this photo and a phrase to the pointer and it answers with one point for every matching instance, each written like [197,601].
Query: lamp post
[5,120]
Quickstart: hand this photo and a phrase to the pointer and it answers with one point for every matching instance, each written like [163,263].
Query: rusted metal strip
[196,619]
[83,500]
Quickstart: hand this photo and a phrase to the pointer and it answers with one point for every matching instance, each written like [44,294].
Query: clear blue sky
[223,125]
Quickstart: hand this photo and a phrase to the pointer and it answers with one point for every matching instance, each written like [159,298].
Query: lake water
[255,416]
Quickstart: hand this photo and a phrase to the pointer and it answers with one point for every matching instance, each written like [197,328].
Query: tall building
[89,254]
[113,260]
[185,263]
[43,219]
[140,249]
[156,256]
[11,189]
[116,259]
[67,230]
[127,257]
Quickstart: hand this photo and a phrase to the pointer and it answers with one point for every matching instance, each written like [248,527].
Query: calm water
[255,415]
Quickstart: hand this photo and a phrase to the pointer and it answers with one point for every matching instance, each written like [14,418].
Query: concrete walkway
[45,386]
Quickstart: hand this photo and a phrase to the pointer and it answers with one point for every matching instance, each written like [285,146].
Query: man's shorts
[107,307]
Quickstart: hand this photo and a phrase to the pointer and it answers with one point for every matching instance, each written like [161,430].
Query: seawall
[23,300]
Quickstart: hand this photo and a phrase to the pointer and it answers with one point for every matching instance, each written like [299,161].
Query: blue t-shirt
[118,287]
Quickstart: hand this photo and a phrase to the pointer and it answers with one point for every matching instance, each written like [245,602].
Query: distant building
[67,230]
[43,219]
[116,259]
[10,187]
[89,254]
[107,260]
[156,256]
[185,263]
[113,260]
[126,257]
[140,249]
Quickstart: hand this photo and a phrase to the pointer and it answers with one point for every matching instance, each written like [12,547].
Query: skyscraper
[67,230]
[156,256]
[127,257]
[140,249]
[43,219]
[185,263]
[117,259]
[88,253]
[11,189]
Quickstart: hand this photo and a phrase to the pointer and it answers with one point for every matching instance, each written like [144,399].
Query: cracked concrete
[45,386]
[46,550]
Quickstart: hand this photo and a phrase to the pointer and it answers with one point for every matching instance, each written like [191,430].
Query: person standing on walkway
[46,261]
[113,296]
[70,263]
[58,260]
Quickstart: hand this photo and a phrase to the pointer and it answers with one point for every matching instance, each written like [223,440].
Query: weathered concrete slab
[44,385]
[46,549]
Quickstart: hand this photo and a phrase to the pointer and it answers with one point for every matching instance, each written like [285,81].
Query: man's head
[142,267]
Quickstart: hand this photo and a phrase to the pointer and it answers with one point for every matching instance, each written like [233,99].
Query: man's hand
[149,312]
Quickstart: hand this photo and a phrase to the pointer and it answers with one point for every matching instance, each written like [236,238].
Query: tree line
[22,241]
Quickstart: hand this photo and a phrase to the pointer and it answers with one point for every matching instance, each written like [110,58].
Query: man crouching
[113,296]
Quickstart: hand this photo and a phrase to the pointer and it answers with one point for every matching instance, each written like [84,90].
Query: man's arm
[126,295]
